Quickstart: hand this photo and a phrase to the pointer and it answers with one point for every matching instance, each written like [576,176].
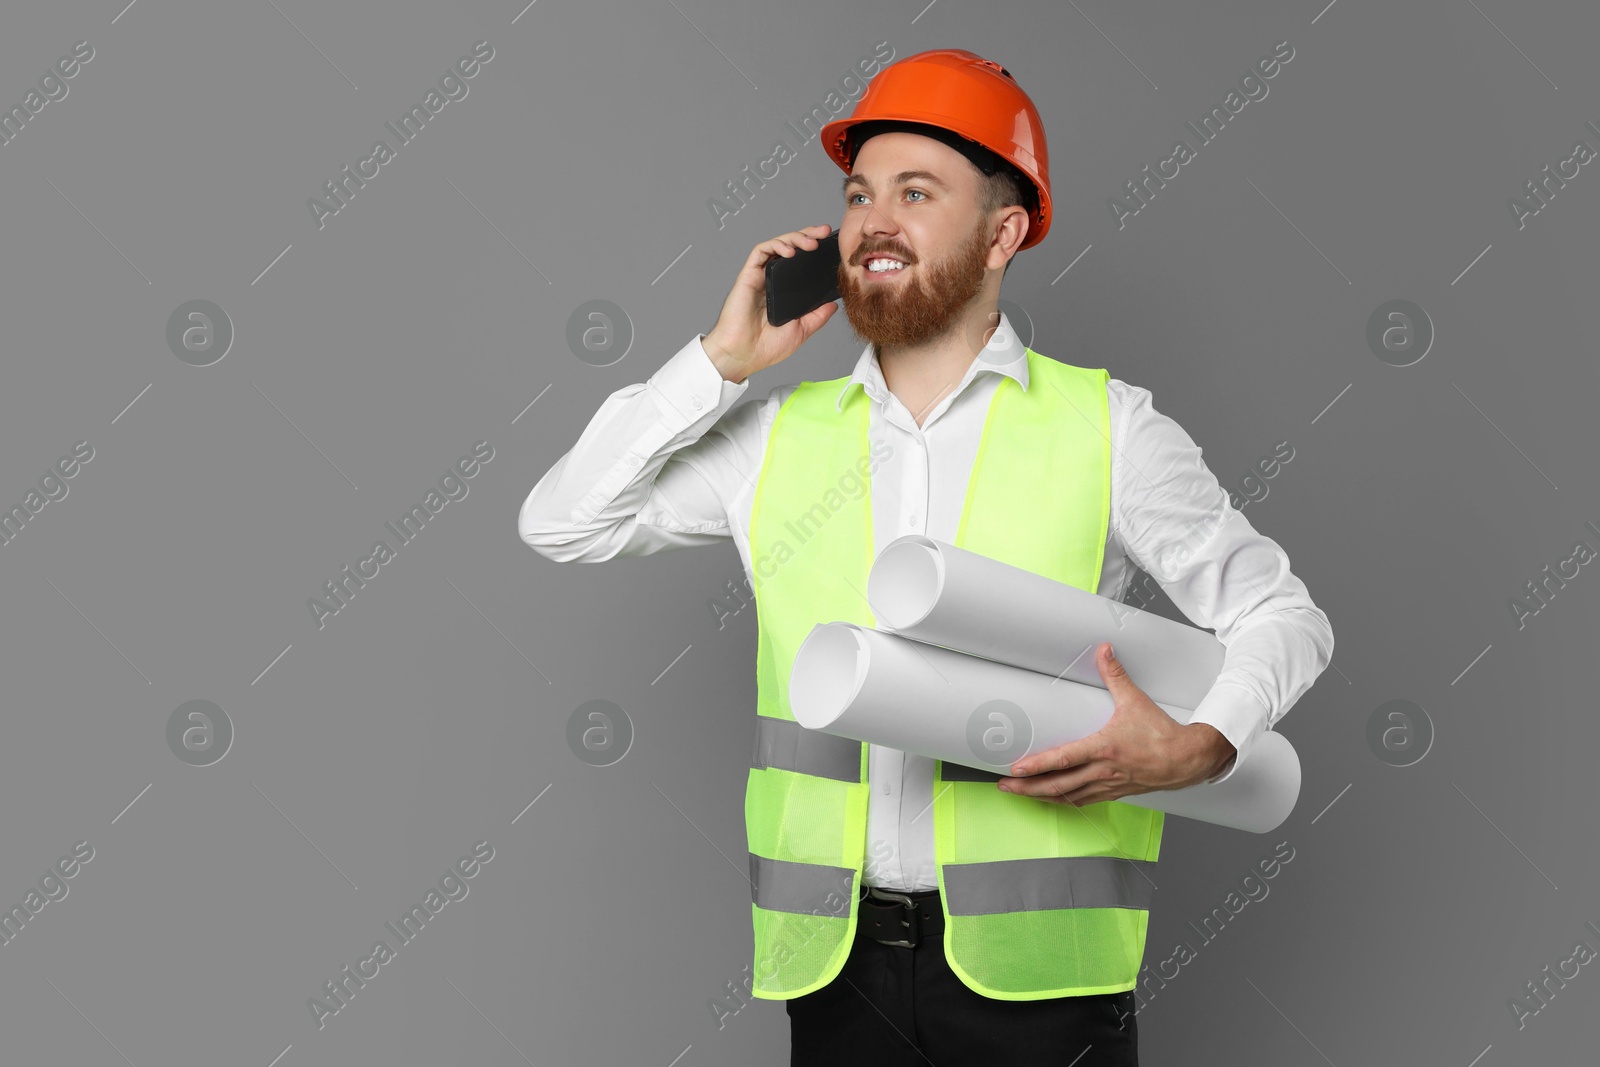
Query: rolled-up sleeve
[1177,524]
[645,475]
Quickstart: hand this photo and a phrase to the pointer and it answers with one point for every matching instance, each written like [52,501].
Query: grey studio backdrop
[248,392]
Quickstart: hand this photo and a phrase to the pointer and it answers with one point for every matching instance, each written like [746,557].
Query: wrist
[1214,750]
[720,359]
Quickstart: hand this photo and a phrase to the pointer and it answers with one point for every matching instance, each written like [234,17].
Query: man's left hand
[1141,749]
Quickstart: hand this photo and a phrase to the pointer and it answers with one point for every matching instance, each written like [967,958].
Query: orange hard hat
[958,91]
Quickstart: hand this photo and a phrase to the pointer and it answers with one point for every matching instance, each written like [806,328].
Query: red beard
[910,311]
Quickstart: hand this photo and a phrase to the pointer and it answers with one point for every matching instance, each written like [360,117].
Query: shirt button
[633,461]
[698,403]
[911,520]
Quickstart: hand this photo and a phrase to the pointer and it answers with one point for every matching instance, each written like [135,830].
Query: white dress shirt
[670,463]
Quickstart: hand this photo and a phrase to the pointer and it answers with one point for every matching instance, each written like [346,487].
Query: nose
[878,223]
[878,229]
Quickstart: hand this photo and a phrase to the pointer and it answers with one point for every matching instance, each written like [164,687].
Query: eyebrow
[899,179]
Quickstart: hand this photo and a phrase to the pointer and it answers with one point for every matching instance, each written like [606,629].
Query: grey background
[427,715]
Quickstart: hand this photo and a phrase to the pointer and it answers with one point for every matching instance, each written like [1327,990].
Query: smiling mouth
[885,271]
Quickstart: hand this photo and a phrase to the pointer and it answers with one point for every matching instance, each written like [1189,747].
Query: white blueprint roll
[929,591]
[868,685]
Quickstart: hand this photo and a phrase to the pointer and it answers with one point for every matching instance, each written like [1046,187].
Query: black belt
[902,919]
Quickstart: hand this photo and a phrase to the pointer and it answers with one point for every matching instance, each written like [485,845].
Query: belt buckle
[911,911]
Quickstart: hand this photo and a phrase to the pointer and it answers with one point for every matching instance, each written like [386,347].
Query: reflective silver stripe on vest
[788,746]
[960,772]
[784,885]
[1052,882]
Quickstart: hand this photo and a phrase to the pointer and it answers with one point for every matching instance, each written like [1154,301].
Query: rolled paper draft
[867,685]
[935,593]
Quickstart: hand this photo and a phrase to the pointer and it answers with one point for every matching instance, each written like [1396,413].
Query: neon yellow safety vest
[1040,899]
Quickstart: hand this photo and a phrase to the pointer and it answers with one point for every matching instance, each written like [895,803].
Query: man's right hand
[743,342]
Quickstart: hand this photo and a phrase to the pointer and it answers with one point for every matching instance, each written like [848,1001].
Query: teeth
[878,266]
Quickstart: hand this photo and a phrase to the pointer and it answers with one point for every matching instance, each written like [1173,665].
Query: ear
[1009,235]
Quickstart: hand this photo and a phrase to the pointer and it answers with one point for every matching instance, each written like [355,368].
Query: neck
[922,374]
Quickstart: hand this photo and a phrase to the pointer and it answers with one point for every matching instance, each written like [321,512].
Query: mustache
[861,257]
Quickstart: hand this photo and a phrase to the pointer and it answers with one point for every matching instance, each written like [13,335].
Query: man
[907,910]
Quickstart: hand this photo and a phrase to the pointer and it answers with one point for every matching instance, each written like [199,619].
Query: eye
[851,197]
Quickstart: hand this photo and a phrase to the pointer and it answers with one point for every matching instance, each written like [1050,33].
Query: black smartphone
[804,281]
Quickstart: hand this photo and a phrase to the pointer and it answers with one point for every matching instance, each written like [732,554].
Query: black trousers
[904,1007]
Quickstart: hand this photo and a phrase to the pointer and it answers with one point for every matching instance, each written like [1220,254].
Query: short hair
[1007,186]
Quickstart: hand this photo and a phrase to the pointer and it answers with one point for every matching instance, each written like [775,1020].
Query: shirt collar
[1004,354]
